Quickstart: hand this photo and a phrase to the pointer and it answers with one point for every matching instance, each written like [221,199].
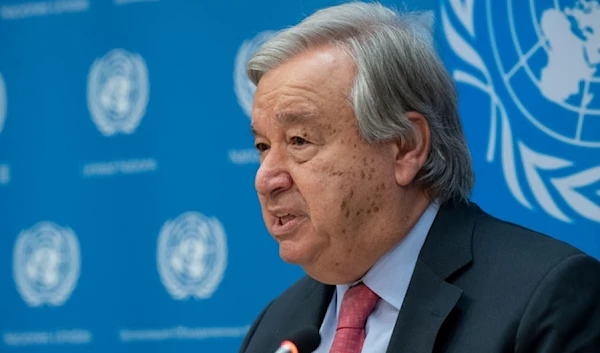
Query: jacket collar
[430,297]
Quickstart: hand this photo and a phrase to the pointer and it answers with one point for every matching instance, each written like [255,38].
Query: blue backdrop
[128,216]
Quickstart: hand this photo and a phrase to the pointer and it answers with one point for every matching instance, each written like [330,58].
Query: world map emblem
[539,64]
[46,264]
[191,255]
[118,92]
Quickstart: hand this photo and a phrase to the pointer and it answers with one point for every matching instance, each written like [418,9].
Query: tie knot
[358,303]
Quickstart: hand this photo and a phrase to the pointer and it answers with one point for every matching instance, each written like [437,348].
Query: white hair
[398,71]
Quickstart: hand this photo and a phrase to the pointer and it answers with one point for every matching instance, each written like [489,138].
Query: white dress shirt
[388,278]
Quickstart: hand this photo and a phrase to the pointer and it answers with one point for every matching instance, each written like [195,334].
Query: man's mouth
[285,218]
[285,223]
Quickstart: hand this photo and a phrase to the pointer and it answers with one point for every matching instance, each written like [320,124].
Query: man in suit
[364,182]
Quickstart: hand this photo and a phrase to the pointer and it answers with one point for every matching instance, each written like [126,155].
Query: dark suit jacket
[480,286]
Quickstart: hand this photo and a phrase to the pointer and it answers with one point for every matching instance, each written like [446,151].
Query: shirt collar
[390,276]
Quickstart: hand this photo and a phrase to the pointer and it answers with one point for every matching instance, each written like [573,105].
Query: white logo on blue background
[192,255]
[244,88]
[2,102]
[543,65]
[118,92]
[46,264]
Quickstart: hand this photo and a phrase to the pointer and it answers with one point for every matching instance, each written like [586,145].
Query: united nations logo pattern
[539,62]
[191,255]
[118,92]
[244,88]
[2,102]
[46,264]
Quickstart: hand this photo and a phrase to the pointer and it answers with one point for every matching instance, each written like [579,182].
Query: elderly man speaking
[364,182]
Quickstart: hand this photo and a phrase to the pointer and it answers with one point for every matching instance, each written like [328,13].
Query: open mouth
[285,224]
[284,219]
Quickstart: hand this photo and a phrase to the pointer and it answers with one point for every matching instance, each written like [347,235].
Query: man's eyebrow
[296,117]
[289,118]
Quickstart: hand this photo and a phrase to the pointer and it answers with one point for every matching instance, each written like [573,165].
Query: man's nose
[272,176]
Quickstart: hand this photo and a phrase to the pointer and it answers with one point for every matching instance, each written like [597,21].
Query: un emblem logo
[244,88]
[117,92]
[2,102]
[46,264]
[539,61]
[191,255]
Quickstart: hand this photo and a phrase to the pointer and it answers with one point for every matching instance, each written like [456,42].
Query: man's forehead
[319,69]
[289,118]
[312,87]
[313,63]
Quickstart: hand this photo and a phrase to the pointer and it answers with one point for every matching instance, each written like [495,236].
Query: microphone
[305,340]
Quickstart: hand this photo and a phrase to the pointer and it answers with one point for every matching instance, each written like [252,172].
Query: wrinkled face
[326,195]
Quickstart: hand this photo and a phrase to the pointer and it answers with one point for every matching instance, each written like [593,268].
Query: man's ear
[411,155]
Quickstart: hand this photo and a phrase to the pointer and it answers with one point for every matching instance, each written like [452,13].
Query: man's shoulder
[512,251]
[536,288]
[463,233]
[491,232]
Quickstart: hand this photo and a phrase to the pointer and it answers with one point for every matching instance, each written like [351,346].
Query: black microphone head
[307,339]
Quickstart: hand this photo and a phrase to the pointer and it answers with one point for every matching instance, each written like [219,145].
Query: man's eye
[261,147]
[298,141]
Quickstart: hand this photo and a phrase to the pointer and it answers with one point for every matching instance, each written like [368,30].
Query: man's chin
[297,254]
[292,257]
[308,260]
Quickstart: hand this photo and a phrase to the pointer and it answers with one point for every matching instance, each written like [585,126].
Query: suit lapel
[430,298]
[426,306]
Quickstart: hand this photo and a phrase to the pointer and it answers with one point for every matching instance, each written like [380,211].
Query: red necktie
[358,303]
